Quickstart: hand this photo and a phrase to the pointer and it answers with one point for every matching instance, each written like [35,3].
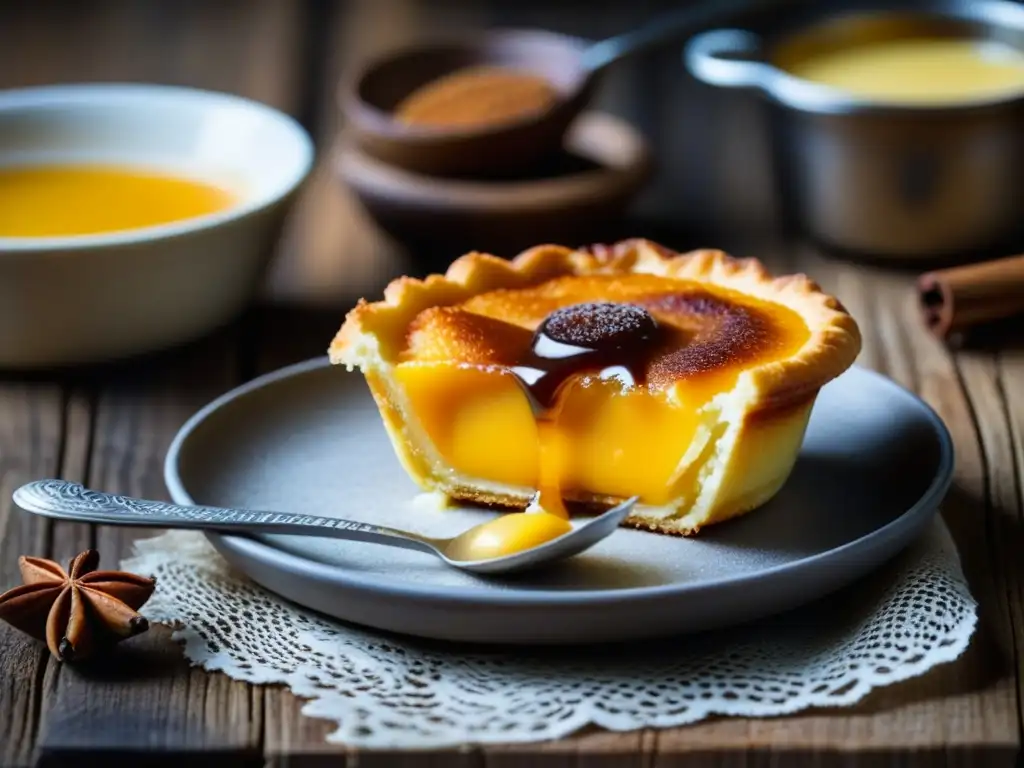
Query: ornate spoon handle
[71,501]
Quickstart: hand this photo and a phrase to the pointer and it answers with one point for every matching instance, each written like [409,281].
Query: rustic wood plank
[987,383]
[247,48]
[593,749]
[237,47]
[963,713]
[969,511]
[934,373]
[985,712]
[1010,373]
[332,253]
[31,430]
[144,699]
[179,43]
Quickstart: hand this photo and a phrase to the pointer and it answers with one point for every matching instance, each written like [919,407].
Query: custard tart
[606,372]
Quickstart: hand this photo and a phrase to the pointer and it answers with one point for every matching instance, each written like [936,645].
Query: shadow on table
[263,339]
[149,657]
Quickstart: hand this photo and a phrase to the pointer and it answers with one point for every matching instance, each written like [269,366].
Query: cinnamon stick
[955,300]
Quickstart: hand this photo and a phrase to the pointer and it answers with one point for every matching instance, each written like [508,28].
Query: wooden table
[110,426]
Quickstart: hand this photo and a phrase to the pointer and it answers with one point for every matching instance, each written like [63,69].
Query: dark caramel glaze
[605,338]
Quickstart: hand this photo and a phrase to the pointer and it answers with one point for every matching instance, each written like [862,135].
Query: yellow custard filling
[606,441]
[508,535]
[686,380]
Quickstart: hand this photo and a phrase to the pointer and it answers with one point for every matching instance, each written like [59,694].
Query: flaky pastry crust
[373,334]
[751,433]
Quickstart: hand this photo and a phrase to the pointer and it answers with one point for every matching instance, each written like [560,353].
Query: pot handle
[726,57]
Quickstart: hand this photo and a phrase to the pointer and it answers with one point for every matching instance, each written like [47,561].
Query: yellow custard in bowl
[66,200]
[134,218]
[917,70]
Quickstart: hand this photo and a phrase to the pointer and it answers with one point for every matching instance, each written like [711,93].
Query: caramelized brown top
[700,328]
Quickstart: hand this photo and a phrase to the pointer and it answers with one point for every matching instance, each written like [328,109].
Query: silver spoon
[71,501]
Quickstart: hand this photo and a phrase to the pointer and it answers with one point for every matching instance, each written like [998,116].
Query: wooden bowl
[369,99]
[575,199]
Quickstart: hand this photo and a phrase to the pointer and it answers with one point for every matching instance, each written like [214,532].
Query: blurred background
[710,184]
[711,178]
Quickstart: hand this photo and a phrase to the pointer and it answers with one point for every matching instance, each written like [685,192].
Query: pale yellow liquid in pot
[918,70]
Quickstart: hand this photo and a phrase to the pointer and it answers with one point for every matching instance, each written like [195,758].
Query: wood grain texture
[332,253]
[146,697]
[118,420]
[31,416]
[110,426]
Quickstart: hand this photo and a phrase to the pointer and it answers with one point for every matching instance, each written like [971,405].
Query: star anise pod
[79,611]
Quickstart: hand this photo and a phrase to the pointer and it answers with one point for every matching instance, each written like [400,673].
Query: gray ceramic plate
[875,464]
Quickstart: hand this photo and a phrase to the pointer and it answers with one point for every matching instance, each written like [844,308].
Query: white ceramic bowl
[67,300]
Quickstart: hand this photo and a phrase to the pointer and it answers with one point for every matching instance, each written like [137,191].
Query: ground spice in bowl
[477,97]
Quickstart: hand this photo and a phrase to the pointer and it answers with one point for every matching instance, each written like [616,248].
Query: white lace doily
[385,691]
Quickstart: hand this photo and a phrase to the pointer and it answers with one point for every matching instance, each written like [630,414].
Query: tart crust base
[755,430]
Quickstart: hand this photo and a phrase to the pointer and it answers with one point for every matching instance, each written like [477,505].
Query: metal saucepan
[884,179]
